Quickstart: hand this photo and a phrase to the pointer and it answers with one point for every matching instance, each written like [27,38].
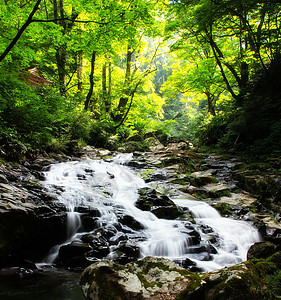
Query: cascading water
[111,189]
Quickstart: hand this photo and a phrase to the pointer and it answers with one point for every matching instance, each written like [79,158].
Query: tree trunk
[61,50]
[218,54]
[79,69]
[90,93]
[21,31]
[210,100]
[126,93]
[109,80]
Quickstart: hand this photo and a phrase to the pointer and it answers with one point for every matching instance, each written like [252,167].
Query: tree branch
[21,31]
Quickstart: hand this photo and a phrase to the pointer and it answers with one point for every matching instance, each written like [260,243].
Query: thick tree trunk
[211,106]
[90,93]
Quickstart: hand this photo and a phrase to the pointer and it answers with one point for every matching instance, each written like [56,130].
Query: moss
[223,193]
[181,181]
[274,284]
[223,208]
[145,174]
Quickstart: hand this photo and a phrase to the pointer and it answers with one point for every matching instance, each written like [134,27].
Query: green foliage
[257,126]
[206,91]
[213,128]
[36,118]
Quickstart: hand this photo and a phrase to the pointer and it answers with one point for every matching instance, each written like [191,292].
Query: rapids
[111,188]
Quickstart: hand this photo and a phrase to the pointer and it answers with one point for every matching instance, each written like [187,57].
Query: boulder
[160,205]
[159,278]
[130,222]
[170,212]
[261,250]
[149,278]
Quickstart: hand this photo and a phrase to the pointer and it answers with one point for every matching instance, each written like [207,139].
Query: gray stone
[149,278]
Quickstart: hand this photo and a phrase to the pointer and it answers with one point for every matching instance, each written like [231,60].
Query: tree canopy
[121,70]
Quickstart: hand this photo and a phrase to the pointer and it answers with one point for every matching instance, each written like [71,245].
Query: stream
[111,188]
[103,194]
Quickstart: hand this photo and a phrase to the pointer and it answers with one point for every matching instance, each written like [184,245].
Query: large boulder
[159,278]
[149,278]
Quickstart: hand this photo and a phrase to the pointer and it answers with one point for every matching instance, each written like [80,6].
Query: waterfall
[111,189]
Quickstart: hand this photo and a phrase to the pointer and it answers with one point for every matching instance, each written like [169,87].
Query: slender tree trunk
[21,31]
[228,86]
[105,89]
[79,69]
[109,80]
[126,93]
[218,54]
[61,50]
[90,93]
[128,66]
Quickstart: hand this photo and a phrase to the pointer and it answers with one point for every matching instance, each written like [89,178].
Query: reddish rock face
[34,77]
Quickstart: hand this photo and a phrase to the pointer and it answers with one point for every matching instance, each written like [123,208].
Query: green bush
[38,118]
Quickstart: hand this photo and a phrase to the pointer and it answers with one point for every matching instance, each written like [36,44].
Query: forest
[113,73]
[140,144]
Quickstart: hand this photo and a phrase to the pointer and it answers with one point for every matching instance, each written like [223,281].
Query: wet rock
[155,176]
[98,252]
[70,252]
[185,263]
[25,235]
[129,249]
[136,164]
[194,240]
[120,236]
[131,222]
[192,232]
[88,210]
[206,229]
[41,162]
[89,223]
[207,257]
[167,212]
[261,250]
[201,178]
[160,205]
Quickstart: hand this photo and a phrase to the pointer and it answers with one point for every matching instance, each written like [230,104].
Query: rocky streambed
[36,219]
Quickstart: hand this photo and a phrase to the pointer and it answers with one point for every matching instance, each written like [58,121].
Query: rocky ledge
[31,221]
[159,278]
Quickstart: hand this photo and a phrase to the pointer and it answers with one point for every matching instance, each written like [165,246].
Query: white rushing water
[112,189]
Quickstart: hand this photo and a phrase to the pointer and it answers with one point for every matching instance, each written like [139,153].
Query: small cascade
[100,200]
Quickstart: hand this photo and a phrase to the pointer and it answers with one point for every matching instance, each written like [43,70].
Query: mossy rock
[261,250]
[223,208]
[159,278]
[149,278]
[242,281]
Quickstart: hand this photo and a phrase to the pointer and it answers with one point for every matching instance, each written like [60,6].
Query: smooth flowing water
[112,189]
